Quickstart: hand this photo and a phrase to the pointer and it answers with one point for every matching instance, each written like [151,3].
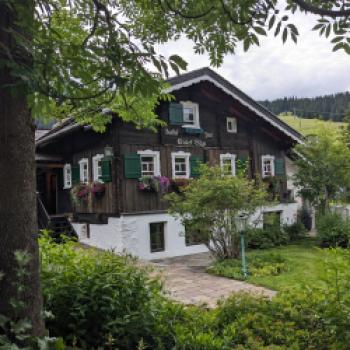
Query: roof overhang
[244,99]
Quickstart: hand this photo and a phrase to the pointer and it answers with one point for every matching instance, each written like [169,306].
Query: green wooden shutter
[75,174]
[279,167]
[176,113]
[242,165]
[195,162]
[132,166]
[106,170]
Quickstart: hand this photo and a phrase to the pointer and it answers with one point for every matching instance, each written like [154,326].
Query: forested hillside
[328,107]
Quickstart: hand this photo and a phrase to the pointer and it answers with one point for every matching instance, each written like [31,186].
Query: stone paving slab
[186,281]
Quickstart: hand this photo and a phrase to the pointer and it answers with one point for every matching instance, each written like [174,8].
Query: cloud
[273,70]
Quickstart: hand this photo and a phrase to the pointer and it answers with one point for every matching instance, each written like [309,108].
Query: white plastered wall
[130,233]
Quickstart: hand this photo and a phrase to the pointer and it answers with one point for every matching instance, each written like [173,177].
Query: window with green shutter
[176,113]
[106,170]
[195,162]
[279,167]
[132,166]
[75,174]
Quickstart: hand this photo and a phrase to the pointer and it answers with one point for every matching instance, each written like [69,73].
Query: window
[228,164]
[84,170]
[271,219]
[97,167]
[150,163]
[157,241]
[190,114]
[268,166]
[67,176]
[231,125]
[181,165]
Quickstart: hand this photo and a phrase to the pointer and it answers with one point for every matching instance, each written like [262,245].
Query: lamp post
[241,225]
[108,152]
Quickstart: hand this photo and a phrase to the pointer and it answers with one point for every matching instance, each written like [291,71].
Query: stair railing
[43,215]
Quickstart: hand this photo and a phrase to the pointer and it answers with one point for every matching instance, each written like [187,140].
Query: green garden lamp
[241,222]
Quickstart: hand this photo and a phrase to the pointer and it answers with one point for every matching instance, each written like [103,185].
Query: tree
[208,206]
[345,132]
[89,58]
[323,170]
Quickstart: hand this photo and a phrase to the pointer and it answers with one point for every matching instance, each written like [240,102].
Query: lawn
[309,126]
[302,265]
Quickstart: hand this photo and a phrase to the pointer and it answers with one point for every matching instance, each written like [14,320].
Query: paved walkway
[186,281]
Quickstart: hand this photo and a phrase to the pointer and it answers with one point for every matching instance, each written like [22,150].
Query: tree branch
[321,11]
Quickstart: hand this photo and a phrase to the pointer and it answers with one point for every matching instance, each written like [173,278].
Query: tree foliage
[328,107]
[91,57]
[209,205]
[323,169]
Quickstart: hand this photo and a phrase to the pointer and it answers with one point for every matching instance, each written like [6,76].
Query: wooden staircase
[56,224]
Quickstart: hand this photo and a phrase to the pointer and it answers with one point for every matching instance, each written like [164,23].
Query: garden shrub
[333,230]
[295,232]
[98,299]
[305,217]
[314,317]
[264,265]
[260,238]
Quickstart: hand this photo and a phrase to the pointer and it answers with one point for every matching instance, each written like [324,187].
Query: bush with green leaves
[308,317]
[333,230]
[98,299]
[210,205]
[16,332]
[263,238]
[295,231]
[266,265]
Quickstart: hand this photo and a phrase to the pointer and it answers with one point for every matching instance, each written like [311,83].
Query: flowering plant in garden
[98,189]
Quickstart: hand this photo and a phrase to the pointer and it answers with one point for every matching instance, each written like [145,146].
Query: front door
[51,191]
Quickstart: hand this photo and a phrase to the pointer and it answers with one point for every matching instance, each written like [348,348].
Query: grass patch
[310,126]
[299,264]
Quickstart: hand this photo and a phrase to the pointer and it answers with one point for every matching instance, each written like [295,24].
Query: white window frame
[67,176]
[232,158]
[272,160]
[95,167]
[82,162]
[234,123]
[195,107]
[156,156]
[184,155]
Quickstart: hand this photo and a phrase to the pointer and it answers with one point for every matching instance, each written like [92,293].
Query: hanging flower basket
[98,189]
[80,193]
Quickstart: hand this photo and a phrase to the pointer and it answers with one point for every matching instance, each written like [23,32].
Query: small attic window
[231,125]
[190,114]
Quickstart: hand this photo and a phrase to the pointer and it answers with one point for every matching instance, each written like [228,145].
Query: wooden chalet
[94,178]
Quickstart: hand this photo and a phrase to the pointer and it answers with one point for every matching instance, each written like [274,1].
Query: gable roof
[207,74]
[184,80]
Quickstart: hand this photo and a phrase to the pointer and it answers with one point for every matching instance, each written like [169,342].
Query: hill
[328,107]
[309,126]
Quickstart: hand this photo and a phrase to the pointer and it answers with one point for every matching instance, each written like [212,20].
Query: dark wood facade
[255,137]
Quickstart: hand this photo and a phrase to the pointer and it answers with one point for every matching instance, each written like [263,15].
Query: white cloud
[273,70]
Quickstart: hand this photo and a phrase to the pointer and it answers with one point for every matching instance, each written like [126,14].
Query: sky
[272,70]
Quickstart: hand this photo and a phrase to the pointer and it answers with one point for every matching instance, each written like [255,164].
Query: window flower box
[155,184]
[98,189]
[80,193]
